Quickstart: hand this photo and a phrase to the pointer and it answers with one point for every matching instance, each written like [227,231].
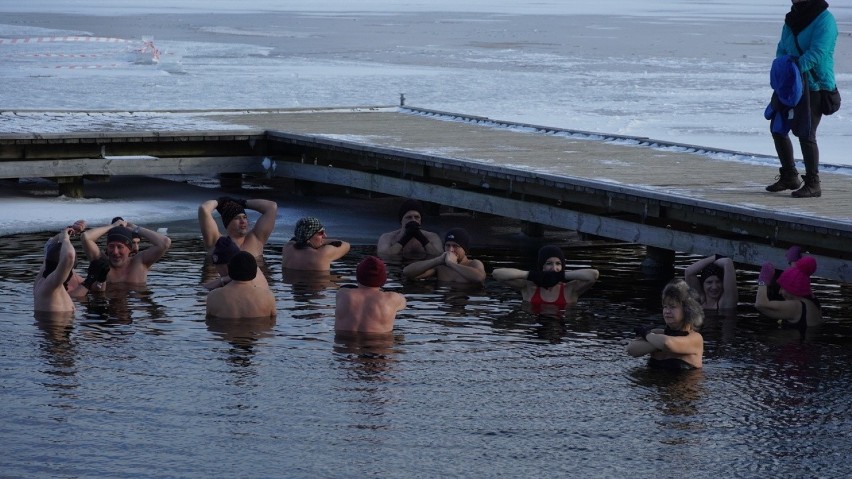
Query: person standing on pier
[310,249]
[453,265]
[410,240]
[549,283]
[236,223]
[809,34]
[715,280]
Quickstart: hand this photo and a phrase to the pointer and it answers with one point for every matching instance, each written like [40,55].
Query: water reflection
[310,288]
[369,360]
[242,334]
[57,347]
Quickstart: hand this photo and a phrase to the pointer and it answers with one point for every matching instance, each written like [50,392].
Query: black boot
[811,188]
[788,179]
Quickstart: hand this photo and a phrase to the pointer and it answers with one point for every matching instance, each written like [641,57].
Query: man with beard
[125,267]
[410,241]
[235,221]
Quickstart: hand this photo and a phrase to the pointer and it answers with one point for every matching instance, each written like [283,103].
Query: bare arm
[690,344]
[209,229]
[90,238]
[513,277]
[160,243]
[690,274]
[784,309]
[435,246]
[388,244]
[333,250]
[473,271]
[639,347]
[730,294]
[424,268]
[580,280]
[67,255]
[265,224]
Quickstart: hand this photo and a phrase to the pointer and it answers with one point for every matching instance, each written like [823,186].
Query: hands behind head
[78,227]
[546,279]
[767,273]
[223,200]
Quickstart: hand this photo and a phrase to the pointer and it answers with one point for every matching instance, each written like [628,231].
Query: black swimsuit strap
[674,332]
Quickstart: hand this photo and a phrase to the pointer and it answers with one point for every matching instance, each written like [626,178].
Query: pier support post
[231,181]
[533,230]
[70,186]
[658,263]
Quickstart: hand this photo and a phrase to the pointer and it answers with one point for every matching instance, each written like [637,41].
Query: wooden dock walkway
[668,196]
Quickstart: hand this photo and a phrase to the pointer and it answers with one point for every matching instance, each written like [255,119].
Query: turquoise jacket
[817,41]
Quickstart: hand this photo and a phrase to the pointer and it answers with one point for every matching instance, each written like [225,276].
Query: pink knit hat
[796,279]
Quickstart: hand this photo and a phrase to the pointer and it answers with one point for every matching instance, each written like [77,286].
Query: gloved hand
[718,256]
[412,228]
[419,236]
[546,279]
[336,243]
[642,331]
[767,273]
[794,254]
[97,272]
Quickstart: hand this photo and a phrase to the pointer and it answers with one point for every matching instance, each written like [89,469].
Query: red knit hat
[796,279]
[371,272]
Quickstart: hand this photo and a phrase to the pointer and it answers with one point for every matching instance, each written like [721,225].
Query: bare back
[366,309]
[241,299]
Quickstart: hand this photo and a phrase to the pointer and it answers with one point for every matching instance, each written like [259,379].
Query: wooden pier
[665,195]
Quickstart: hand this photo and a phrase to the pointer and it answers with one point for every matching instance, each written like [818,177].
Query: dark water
[471,384]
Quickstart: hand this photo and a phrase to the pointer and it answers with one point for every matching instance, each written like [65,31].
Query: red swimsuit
[560,301]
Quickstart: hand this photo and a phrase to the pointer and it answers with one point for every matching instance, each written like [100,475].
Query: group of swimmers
[241,290]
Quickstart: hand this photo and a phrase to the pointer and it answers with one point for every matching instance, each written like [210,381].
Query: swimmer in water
[236,223]
[124,266]
[679,346]
[310,249]
[549,283]
[410,240]
[453,265]
[365,308]
[241,297]
[715,280]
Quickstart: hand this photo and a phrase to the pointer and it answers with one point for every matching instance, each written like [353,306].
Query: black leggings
[810,150]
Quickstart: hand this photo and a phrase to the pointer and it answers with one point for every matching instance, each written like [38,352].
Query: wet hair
[678,291]
[711,269]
